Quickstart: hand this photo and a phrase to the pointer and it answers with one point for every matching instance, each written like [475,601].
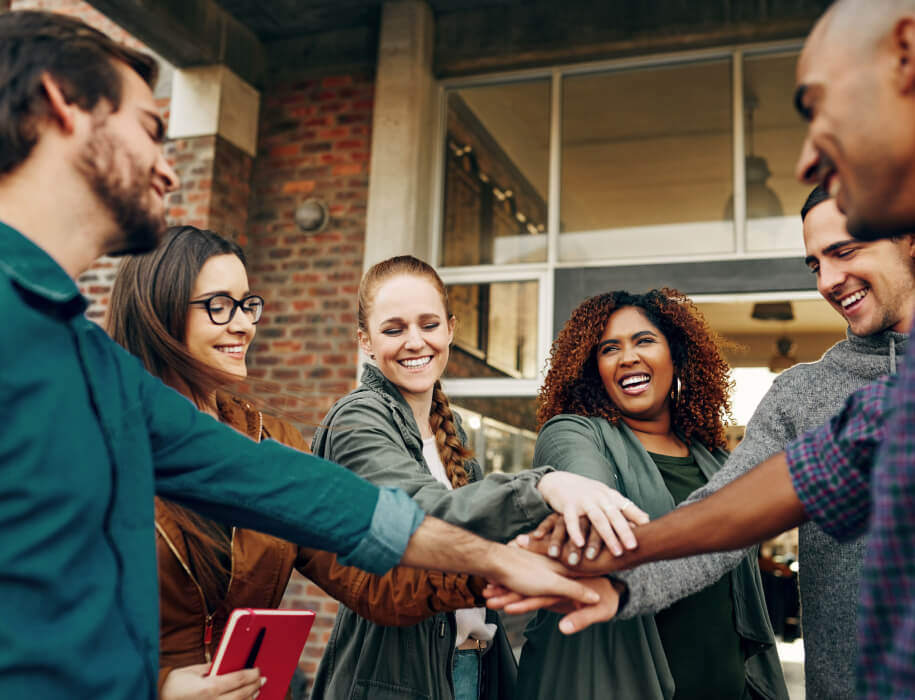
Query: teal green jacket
[87,437]
[625,659]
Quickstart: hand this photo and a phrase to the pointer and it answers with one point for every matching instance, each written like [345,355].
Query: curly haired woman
[636,397]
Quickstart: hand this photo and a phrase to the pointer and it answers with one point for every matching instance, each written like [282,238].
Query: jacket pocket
[377,690]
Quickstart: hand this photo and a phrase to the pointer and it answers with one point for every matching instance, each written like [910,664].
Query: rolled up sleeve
[394,521]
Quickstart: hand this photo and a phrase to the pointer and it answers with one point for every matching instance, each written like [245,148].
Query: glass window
[496,174]
[496,332]
[773,134]
[501,430]
[647,162]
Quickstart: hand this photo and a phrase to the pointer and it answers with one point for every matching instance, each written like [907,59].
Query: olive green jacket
[372,432]
[625,659]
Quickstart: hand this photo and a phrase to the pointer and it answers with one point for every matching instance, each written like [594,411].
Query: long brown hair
[147,314]
[452,451]
[573,385]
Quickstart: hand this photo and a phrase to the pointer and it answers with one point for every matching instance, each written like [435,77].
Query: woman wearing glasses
[186,311]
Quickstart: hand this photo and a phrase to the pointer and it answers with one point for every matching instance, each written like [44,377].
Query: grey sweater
[801,398]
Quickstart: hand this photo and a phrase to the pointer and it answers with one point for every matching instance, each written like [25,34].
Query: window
[500,430]
[647,162]
[496,166]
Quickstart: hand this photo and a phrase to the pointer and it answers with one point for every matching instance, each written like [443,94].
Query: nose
[830,279]
[807,169]
[629,356]
[166,173]
[414,339]
[241,324]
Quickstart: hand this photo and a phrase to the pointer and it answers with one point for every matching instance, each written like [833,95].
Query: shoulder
[283,431]
[571,424]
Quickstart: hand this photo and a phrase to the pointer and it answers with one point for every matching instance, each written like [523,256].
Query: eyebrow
[831,248]
[799,105]
[223,292]
[635,336]
[422,317]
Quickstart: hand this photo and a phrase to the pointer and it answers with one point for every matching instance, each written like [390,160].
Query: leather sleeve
[402,597]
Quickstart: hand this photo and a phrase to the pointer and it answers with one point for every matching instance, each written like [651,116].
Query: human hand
[609,512]
[577,616]
[192,683]
[603,562]
[531,575]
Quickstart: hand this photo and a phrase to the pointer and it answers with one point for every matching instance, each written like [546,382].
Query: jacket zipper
[208,620]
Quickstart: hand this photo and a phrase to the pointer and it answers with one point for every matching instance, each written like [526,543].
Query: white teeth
[634,379]
[852,298]
[231,349]
[418,362]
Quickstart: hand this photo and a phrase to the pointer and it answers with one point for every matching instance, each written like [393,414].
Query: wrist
[622,589]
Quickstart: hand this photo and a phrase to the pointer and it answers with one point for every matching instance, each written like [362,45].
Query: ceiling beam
[189,33]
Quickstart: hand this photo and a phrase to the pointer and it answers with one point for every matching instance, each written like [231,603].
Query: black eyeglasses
[222,307]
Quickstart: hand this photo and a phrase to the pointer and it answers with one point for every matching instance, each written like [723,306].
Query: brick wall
[314,142]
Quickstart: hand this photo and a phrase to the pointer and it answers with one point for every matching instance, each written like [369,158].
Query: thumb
[200,669]
[584,617]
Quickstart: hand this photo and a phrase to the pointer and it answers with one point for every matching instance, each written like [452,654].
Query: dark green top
[698,634]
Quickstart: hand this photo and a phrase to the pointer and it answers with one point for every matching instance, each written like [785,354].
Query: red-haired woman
[636,397]
[398,429]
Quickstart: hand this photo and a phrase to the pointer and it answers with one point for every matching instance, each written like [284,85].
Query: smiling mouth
[236,351]
[635,383]
[851,300]
[416,362]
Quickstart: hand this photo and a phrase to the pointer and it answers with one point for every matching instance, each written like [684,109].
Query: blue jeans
[466,674]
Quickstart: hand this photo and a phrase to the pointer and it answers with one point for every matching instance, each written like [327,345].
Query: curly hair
[701,405]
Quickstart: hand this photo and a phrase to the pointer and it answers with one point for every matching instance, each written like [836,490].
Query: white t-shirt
[471,622]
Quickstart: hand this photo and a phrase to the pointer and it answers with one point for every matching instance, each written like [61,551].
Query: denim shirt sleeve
[395,520]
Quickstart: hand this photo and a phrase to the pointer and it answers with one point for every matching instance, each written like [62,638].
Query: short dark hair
[80,58]
[819,194]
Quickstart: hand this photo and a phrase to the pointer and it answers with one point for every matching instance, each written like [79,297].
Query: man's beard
[138,229]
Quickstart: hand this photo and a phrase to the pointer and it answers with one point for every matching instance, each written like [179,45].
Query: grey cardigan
[372,432]
[625,659]
[801,398]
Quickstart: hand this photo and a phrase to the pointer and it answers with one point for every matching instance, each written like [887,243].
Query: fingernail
[554,551]
[573,558]
[590,553]
[617,552]
[263,681]
[523,540]
[592,597]
[629,542]
[566,627]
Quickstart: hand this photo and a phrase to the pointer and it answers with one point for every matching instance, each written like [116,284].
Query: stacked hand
[608,512]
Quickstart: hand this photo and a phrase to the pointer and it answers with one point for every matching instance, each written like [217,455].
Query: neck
[61,214]
[656,434]
[421,406]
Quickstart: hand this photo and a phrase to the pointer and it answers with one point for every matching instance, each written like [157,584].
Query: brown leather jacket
[261,566]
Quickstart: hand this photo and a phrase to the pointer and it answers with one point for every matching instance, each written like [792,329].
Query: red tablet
[271,640]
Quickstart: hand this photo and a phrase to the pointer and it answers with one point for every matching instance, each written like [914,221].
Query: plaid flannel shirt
[856,474]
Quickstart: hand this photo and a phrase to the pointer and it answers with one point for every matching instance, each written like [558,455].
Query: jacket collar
[374,380]
[31,268]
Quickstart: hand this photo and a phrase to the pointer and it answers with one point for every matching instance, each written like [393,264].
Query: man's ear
[62,111]
[364,342]
[903,47]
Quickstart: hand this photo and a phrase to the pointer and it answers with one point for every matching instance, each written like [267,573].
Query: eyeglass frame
[236,305]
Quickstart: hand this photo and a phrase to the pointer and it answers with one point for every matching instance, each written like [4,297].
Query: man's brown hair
[80,59]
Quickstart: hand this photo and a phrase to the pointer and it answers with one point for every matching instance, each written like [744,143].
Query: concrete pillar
[400,174]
